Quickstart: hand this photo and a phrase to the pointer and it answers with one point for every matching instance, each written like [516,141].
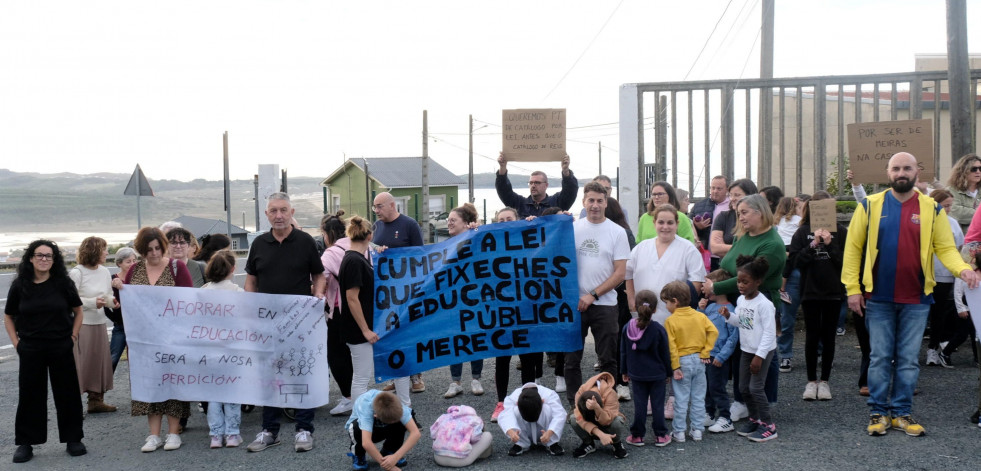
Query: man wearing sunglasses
[539,200]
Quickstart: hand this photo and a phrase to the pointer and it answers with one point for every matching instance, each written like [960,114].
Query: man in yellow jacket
[897,232]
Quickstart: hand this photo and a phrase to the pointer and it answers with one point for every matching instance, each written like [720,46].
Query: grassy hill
[95,202]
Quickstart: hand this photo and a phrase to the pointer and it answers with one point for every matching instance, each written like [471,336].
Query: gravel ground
[812,435]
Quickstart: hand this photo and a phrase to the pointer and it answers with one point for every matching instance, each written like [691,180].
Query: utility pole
[367,189]
[228,191]
[599,148]
[425,176]
[765,151]
[470,177]
[959,81]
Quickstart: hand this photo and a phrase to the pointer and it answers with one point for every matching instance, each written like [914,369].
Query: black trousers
[38,360]
[821,320]
[531,369]
[339,357]
[392,434]
[862,332]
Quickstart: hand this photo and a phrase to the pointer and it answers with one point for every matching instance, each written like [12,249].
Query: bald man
[897,232]
[393,230]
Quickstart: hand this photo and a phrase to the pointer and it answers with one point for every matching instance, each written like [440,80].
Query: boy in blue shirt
[717,371]
[379,417]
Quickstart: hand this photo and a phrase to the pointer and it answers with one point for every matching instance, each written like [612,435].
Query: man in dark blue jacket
[539,200]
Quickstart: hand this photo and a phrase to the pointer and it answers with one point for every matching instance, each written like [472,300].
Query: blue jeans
[691,388]
[117,343]
[788,315]
[895,335]
[224,418]
[476,367]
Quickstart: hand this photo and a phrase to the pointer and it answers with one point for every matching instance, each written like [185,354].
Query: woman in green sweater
[755,235]
[663,193]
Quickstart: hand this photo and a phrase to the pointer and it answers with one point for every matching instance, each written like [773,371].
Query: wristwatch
[595,296]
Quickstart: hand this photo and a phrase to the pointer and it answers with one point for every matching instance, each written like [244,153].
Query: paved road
[813,435]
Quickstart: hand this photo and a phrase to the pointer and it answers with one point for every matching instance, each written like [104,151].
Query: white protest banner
[973,297]
[225,346]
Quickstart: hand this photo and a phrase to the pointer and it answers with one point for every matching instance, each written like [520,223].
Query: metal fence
[708,128]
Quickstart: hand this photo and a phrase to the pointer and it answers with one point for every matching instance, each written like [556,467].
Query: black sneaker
[76,449]
[555,449]
[515,450]
[619,452]
[23,454]
[945,360]
[976,416]
[748,428]
[583,450]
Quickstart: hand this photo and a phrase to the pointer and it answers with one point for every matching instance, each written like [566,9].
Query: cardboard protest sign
[871,145]
[973,297]
[503,289]
[225,346]
[536,135]
[823,214]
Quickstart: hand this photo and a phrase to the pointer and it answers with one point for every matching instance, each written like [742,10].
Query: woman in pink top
[338,355]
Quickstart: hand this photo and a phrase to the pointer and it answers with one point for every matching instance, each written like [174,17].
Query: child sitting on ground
[598,415]
[459,438]
[717,371]
[379,417]
[531,408]
[691,337]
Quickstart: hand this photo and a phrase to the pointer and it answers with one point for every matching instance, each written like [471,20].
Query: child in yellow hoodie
[691,336]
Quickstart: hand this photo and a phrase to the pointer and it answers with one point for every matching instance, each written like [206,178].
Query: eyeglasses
[658,195]
[44,256]
[379,206]
[535,183]
[182,243]
[976,169]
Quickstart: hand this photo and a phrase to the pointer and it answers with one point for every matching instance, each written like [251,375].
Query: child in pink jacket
[459,437]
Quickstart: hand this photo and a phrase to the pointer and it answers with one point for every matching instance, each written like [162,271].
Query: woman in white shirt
[94,283]
[656,262]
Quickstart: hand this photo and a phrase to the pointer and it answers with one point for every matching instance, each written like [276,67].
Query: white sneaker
[303,441]
[344,406]
[738,411]
[810,391]
[722,425]
[696,435]
[623,392]
[708,421]
[454,390]
[932,358]
[824,391]
[173,442]
[678,437]
[559,384]
[152,443]
[476,388]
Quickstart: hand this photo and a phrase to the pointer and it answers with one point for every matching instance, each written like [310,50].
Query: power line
[584,50]
[709,38]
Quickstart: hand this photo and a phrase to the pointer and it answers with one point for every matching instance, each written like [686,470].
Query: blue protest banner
[502,289]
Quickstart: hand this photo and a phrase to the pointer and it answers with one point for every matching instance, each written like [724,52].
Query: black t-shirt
[284,267]
[356,272]
[726,222]
[402,232]
[43,311]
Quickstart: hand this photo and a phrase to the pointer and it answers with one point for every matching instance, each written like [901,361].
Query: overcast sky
[99,86]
